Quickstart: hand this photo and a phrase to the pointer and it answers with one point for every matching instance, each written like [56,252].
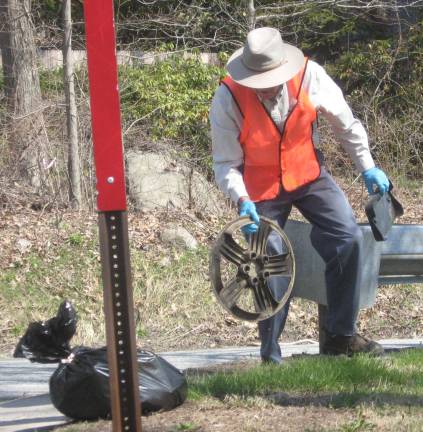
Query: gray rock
[178,236]
[23,245]
[158,181]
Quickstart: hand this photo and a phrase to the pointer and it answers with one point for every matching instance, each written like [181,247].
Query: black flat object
[381,211]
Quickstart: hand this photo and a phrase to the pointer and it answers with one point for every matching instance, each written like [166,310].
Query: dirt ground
[278,419]
[270,419]
[220,417]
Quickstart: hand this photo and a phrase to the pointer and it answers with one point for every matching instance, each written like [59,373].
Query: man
[264,131]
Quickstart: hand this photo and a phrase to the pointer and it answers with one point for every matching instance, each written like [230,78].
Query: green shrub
[172,97]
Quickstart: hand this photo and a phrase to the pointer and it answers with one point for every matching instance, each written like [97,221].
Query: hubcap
[241,268]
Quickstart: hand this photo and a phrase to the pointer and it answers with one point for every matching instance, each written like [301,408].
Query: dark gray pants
[338,240]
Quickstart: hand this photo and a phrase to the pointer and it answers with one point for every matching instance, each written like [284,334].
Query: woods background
[373,49]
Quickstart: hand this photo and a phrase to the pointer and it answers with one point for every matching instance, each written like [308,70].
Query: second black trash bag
[80,388]
[48,341]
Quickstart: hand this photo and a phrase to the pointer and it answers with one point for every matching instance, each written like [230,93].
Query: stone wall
[53,59]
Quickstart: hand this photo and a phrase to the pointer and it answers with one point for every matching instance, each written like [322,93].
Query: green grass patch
[396,379]
[170,289]
[34,287]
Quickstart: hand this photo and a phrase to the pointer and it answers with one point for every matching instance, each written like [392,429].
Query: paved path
[25,403]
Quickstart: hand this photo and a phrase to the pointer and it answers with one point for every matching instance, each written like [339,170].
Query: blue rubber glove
[248,208]
[375,177]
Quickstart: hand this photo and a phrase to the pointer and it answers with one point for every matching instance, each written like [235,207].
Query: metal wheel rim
[254,267]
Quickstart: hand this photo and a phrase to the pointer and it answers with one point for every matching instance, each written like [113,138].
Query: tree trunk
[75,193]
[22,91]
[251,15]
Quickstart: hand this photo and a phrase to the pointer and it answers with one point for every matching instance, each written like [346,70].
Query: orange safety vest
[272,158]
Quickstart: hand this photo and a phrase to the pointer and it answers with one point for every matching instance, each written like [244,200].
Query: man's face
[267,93]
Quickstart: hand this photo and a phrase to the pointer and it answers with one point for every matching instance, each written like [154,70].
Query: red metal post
[111,202]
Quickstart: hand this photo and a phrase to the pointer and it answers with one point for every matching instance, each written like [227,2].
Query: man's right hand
[248,208]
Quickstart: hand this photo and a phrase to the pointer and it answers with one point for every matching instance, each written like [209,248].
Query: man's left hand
[375,177]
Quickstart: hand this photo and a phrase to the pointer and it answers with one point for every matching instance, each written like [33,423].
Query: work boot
[350,345]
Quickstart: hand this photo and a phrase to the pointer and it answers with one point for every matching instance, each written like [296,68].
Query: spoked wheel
[241,269]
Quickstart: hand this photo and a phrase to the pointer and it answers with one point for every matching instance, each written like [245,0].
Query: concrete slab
[25,403]
[20,378]
[34,413]
[208,357]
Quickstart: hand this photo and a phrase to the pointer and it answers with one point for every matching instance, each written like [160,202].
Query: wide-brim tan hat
[265,60]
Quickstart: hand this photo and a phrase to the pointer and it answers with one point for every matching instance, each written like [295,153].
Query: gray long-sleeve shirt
[324,94]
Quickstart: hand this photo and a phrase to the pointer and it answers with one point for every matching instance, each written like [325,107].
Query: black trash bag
[48,341]
[79,388]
